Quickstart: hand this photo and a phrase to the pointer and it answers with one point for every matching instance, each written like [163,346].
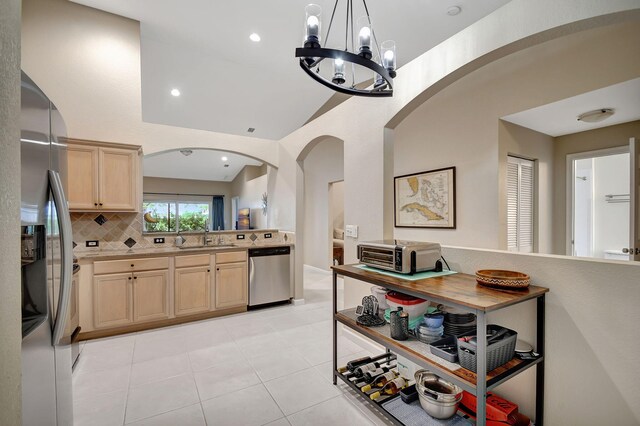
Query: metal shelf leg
[540,313]
[335,327]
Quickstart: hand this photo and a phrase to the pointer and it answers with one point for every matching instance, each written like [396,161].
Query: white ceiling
[202,164]
[229,83]
[561,117]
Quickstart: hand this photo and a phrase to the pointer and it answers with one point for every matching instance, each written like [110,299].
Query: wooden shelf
[420,353]
[455,290]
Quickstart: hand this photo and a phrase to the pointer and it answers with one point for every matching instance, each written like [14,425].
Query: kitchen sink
[210,246]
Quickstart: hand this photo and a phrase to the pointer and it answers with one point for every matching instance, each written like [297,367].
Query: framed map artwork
[426,199]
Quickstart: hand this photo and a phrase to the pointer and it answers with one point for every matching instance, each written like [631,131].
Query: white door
[599,205]
[634,201]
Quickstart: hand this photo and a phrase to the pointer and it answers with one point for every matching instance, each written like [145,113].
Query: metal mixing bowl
[440,405]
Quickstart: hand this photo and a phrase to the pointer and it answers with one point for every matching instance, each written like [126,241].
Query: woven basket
[502,279]
[498,353]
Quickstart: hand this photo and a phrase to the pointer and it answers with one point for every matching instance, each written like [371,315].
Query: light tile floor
[270,366]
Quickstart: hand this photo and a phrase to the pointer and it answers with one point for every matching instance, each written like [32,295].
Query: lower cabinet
[192,290]
[231,284]
[150,295]
[122,299]
[112,300]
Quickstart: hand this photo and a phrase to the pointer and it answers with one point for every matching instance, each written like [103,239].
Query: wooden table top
[458,289]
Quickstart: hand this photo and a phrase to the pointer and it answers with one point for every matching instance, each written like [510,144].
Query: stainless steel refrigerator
[47,263]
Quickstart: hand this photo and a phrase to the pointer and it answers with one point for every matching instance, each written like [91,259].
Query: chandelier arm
[346,30]
[353,47]
[326,38]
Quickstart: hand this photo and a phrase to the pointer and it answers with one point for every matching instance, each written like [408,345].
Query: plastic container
[379,293]
[498,353]
[433,320]
[446,348]
[414,306]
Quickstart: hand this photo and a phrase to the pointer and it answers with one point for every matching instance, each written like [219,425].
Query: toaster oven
[405,257]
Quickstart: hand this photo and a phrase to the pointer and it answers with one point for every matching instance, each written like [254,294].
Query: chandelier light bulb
[312,25]
[365,37]
[338,71]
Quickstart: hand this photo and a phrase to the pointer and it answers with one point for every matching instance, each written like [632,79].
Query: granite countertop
[169,251]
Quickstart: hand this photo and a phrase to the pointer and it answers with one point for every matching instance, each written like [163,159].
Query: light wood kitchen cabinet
[150,295]
[112,300]
[192,290]
[130,291]
[231,284]
[82,181]
[103,178]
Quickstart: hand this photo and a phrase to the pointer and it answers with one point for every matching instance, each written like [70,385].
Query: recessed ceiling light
[224,158]
[596,115]
[175,92]
[186,152]
[251,129]
[454,10]
[254,37]
[226,165]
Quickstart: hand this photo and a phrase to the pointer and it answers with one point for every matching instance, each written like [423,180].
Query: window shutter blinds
[512,206]
[520,204]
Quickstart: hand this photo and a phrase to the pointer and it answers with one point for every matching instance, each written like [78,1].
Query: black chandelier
[381,59]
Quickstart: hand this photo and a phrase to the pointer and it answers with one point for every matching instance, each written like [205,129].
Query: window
[520,204]
[163,213]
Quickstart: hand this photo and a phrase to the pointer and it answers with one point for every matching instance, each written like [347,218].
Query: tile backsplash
[121,231]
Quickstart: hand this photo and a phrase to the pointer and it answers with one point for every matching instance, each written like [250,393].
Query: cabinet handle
[132,265]
[135,278]
[100,203]
[217,269]
[95,204]
[208,270]
[129,277]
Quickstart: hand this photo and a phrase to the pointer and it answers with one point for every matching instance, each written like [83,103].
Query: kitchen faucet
[219,240]
[205,239]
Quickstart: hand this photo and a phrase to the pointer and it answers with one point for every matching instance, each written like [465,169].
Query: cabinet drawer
[130,265]
[231,256]
[194,260]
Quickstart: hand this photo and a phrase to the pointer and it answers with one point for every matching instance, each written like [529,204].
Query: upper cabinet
[103,177]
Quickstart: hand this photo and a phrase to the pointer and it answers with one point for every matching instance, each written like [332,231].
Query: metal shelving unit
[460,291]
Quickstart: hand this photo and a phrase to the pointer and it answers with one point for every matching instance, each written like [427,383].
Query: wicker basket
[498,353]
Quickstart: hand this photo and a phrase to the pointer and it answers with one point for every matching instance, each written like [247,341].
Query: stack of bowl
[438,397]
[431,328]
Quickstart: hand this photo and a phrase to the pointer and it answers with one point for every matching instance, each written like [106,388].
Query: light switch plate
[351,231]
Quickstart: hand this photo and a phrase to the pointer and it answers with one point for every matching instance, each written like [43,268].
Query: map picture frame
[425,199]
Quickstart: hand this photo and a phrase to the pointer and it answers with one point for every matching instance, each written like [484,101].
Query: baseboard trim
[297,302]
[96,334]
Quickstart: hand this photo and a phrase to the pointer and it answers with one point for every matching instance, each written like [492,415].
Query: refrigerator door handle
[66,251]
[252,273]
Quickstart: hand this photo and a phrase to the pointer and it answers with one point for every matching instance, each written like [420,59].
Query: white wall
[336,203]
[460,126]
[10,287]
[249,185]
[323,165]
[88,63]
[610,220]
[592,140]
[592,306]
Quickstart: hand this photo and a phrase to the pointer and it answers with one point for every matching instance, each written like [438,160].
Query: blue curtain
[218,212]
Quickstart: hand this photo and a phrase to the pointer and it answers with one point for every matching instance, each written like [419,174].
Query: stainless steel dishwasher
[269,275]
